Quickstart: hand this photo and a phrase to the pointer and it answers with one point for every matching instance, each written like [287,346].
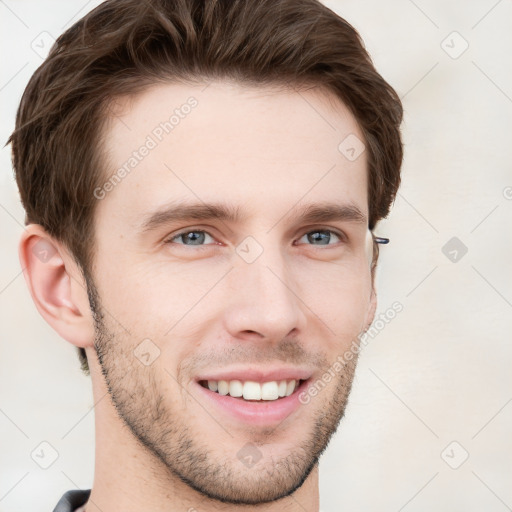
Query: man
[202,181]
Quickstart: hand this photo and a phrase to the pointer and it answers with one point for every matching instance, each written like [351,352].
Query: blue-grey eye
[194,237]
[191,238]
[323,236]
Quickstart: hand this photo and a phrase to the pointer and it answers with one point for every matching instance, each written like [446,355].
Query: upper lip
[257,374]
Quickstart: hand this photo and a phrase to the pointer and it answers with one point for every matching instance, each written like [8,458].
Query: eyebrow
[312,213]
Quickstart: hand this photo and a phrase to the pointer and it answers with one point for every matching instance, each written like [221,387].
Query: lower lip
[261,412]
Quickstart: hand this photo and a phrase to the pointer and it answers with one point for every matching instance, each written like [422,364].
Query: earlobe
[56,286]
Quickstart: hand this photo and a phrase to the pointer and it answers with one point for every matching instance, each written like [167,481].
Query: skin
[159,445]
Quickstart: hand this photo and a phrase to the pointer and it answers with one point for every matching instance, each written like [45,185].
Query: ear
[56,285]
[373,307]
[372,251]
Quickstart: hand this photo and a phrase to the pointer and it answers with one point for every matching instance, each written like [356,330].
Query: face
[265,285]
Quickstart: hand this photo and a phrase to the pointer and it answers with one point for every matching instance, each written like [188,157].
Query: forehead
[261,147]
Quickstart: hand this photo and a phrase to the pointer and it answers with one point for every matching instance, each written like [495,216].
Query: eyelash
[340,235]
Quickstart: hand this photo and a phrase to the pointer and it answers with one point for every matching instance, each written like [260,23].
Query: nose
[264,302]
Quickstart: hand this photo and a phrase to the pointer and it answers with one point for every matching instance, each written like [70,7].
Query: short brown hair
[122,46]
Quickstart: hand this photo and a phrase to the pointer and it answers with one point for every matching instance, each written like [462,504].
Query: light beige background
[435,384]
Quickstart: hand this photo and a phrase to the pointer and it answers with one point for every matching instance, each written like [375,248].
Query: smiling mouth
[250,391]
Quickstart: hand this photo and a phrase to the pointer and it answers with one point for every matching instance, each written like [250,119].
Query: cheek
[170,305]
[135,309]
[340,298]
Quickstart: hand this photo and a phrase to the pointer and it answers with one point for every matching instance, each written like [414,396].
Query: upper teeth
[254,390]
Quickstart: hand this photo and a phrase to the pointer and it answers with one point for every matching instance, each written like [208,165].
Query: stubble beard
[162,429]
